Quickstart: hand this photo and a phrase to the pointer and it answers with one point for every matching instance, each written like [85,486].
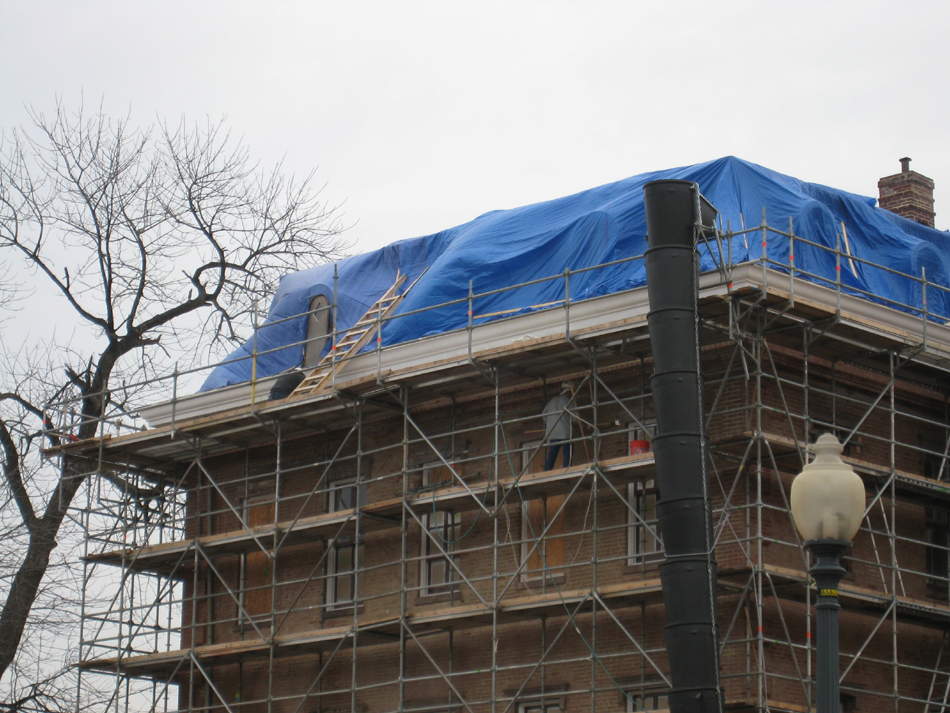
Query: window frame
[937,551]
[637,433]
[540,706]
[644,542]
[343,544]
[550,699]
[445,525]
[635,699]
[645,489]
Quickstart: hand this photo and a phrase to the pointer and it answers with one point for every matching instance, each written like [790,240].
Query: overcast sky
[422,115]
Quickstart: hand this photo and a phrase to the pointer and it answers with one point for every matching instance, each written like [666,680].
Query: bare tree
[159,242]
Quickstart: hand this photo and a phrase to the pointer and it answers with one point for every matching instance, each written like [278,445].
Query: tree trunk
[29,576]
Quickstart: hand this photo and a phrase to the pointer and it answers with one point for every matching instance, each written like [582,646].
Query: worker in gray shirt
[557,415]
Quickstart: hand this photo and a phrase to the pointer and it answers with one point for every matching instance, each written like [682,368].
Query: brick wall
[759,657]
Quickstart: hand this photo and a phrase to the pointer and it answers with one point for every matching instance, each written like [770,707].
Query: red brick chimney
[908,194]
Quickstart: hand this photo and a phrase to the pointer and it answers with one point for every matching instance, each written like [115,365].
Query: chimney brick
[909,194]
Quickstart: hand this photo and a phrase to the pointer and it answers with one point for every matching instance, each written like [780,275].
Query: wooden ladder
[352,341]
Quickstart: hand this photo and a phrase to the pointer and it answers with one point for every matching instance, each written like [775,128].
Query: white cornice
[595,316]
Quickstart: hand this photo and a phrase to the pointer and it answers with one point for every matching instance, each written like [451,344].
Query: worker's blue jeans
[553,446]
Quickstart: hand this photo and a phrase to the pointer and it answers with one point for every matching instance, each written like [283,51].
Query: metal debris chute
[677,218]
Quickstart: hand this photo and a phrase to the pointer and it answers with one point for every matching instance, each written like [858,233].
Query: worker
[557,415]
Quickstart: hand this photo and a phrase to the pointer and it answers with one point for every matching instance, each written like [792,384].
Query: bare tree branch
[139,230]
[14,477]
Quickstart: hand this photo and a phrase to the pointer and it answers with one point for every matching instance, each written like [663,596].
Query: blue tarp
[504,248]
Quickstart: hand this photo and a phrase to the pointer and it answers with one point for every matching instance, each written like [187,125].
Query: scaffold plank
[384,514]
[791,584]
[552,604]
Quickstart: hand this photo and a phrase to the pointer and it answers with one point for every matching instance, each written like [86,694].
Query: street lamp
[827,501]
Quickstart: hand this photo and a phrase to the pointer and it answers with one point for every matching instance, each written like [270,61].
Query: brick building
[385,539]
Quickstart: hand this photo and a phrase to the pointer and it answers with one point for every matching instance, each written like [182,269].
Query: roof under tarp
[511,247]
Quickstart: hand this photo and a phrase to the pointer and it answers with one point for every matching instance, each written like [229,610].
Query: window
[342,581]
[318,330]
[640,700]
[935,466]
[442,528]
[342,495]
[643,541]
[550,699]
[849,702]
[341,561]
[847,562]
[937,534]
[539,707]
[258,592]
[540,514]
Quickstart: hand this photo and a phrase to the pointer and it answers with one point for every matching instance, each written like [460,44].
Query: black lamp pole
[827,500]
[827,573]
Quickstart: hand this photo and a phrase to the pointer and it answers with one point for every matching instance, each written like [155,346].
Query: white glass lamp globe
[827,497]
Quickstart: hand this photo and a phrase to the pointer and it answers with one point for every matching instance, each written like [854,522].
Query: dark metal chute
[677,217]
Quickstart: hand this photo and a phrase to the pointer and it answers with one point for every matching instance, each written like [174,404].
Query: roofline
[590,317]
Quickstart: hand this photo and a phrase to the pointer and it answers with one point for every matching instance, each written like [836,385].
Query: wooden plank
[233,542]
[295,643]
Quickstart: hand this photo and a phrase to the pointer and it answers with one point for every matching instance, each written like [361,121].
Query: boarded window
[540,514]
[258,577]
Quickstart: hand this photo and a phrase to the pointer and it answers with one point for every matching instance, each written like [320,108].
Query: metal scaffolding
[390,542]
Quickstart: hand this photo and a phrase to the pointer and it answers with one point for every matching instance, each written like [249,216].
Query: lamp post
[827,502]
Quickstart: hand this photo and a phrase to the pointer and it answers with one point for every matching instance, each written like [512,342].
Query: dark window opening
[934,466]
[853,444]
[849,702]
[937,536]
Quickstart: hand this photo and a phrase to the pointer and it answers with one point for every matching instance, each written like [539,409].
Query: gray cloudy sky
[423,115]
